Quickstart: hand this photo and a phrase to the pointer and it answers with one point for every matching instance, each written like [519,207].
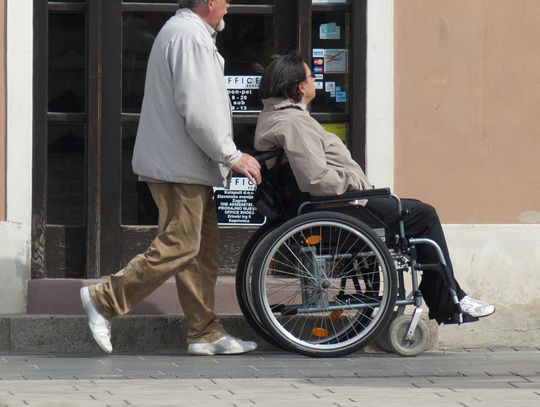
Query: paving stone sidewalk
[487,377]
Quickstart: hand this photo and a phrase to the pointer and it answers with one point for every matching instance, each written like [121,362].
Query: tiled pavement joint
[507,377]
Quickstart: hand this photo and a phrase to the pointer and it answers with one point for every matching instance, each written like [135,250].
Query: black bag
[267,198]
[278,195]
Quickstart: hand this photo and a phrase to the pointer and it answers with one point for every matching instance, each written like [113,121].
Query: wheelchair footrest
[466,318]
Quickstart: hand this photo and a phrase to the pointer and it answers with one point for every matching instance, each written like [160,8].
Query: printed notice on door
[235,205]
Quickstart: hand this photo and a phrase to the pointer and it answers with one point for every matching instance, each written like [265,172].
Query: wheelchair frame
[406,336]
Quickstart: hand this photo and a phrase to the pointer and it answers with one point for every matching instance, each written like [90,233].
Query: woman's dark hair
[282,76]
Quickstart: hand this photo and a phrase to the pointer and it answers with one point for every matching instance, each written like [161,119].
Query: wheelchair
[325,284]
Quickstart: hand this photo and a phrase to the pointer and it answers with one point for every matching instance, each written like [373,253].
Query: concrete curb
[130,334]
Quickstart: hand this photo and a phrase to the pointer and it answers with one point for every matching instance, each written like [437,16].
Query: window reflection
[138,206]
[247,43]
[150,1]
[138,30]
[244,136]
[315,2]
[255,33]
[66,174]
[233,2]
[176,1]
[66,81]
[245,63]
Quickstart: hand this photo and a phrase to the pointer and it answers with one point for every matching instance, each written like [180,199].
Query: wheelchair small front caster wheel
[398,331]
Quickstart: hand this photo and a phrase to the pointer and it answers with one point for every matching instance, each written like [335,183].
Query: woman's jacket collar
[281,103]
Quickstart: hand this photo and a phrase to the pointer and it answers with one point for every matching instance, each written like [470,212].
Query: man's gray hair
[191,4]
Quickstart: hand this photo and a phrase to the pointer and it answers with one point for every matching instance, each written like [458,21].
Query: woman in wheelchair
[323,166]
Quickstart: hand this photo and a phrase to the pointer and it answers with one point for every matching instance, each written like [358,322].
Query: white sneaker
[475,308]
[99,325]
[226,345]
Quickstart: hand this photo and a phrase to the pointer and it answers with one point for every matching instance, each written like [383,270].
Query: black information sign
[235,205]
[244,93]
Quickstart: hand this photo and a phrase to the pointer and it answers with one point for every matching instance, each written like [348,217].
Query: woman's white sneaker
[226,345]
[99,325]
[476,308]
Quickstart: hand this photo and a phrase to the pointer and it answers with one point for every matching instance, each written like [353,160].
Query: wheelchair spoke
[348,251]
[308,273]
[305,239]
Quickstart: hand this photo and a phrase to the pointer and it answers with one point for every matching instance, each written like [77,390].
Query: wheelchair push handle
[262,156]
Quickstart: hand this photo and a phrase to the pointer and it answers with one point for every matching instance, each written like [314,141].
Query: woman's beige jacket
[321,163]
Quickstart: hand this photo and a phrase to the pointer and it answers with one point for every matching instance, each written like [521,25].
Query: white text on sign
[242,82]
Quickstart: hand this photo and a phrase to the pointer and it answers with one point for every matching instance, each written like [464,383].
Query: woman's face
[307,86]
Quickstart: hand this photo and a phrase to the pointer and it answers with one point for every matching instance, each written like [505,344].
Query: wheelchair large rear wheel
[323,284]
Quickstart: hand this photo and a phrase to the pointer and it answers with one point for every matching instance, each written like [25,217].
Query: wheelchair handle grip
[261,156]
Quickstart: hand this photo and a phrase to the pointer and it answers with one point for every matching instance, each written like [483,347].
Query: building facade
[436,100]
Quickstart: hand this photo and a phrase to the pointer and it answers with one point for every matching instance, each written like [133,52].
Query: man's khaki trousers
[186,247]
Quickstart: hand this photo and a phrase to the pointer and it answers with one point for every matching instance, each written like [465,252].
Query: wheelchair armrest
[352,195]
[346,198]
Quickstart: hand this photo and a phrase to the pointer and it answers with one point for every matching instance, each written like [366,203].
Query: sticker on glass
[336,61]
[341,97]
[318,53]
[330,31]
[330,86]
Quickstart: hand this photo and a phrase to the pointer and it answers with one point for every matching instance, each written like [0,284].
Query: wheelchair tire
[397,332]
[244,270]
[323,284]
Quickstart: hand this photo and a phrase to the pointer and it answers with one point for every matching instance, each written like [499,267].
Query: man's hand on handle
[249,167]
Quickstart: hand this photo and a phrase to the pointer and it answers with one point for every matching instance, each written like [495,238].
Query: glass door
[90,214]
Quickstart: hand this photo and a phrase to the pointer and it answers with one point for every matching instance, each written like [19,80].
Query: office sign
[244,92]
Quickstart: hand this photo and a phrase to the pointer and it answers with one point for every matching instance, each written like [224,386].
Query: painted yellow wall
[467,115]
[2,110]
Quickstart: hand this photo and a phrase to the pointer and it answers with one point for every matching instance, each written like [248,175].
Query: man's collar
[211,31]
